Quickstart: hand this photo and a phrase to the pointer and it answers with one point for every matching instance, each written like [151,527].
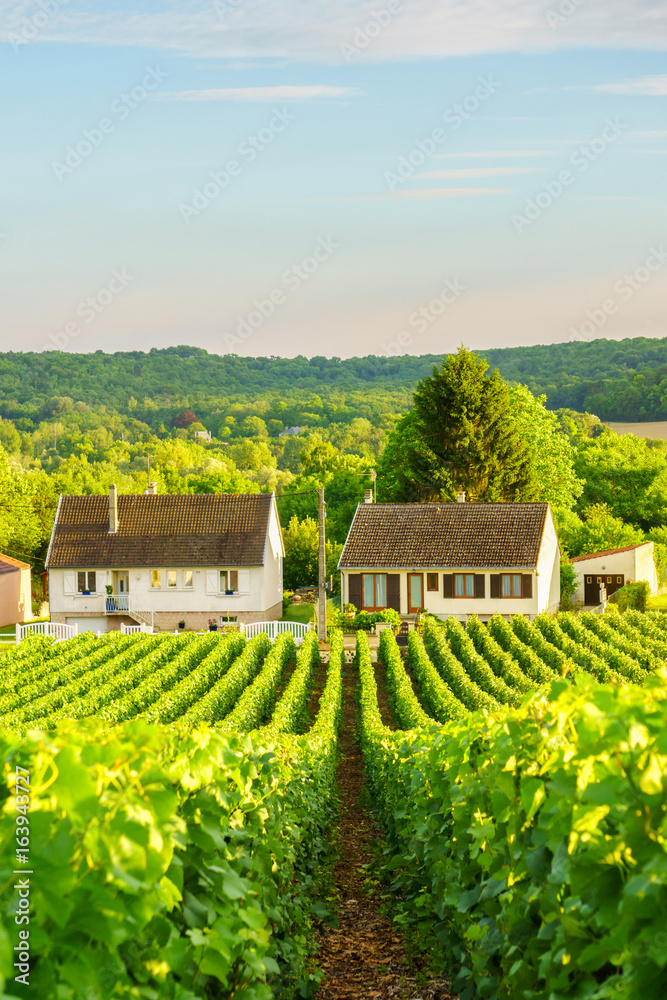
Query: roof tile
[445,535]
[208,529]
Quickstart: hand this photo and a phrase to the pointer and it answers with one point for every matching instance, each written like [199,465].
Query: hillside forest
[515,424]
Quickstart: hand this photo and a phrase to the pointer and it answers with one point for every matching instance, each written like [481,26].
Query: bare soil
[364,956]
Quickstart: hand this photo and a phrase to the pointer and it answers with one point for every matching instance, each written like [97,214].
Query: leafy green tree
[552,455]
[301,566]
[598,531]
[462,433]
[626,473]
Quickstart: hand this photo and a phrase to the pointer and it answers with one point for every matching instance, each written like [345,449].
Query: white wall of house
[460,607]
[204,595]
[635,564]
[548,569]
[15,597]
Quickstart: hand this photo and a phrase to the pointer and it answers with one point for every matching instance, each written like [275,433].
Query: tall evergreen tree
[460,434]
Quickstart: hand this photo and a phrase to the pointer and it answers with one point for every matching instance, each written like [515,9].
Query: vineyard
[183,788]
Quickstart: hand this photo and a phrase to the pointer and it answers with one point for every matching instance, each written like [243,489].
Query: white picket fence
[61,632]
[54,630]
[274,629]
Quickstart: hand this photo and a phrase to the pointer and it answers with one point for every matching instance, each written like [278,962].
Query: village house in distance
[454,558]
[159,560]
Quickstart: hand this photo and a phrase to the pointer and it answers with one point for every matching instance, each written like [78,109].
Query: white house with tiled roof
[455,559]
[160,560]
[612,569]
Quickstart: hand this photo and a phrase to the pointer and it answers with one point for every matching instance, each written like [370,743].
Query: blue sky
[331,177]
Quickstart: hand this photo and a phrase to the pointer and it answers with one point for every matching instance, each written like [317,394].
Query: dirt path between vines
[363,956]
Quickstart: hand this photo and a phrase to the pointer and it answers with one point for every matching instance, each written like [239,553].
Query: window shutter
[354,589]
[211,581]
[69,582]
[448,585]
[495,586]
[480,585]
[527,587]
[244,581]
[393,591]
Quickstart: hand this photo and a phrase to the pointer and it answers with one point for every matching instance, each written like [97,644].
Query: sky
[331,177]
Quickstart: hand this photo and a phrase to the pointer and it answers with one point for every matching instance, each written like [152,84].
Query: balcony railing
[117,604]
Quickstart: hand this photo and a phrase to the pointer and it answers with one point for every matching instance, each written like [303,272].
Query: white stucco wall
[15,597]
[635,564]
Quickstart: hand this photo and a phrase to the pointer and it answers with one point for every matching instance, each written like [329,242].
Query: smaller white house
[452,559]
[161,560]
[612,569]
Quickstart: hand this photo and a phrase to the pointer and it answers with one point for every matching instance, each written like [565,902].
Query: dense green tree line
[618,380]
[76,423]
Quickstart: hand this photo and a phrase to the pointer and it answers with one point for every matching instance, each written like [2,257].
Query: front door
[592,584]
[121,581]
[415,592]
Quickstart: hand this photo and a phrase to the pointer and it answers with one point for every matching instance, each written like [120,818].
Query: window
[172,578]
[229,580]
[619,579]
[432,581]
[228,619]
[589,579]
[464,585]
[86,581]
[510,585]
[373,591]
[187,579]
[156,579]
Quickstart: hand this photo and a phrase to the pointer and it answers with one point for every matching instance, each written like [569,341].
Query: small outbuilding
[15,591]
[612,569]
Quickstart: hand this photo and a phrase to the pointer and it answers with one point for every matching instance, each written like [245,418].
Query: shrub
[632,595]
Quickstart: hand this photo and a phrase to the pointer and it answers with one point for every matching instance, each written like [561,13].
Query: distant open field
[657,429]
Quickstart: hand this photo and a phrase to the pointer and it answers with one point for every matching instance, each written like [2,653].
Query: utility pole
[322,593]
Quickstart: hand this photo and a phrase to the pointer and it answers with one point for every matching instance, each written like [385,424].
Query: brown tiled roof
[9,565]
[609,552]
[445,535]
[209,529]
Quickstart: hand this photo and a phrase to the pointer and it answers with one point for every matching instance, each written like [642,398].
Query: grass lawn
[658,602]
[299,613]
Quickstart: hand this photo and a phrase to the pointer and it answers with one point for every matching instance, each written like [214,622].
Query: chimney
[460,496]
[113,509]
[368,496]
[151,491]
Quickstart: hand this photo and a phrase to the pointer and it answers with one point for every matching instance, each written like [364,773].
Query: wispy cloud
[433,194]
[642,86]
[470,172]
[510,153]
[301,30]
[268,94]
